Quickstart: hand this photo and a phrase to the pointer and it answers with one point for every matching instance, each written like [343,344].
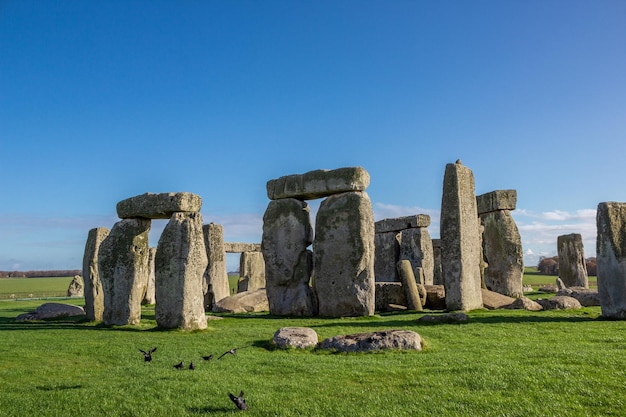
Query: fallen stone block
[381,340]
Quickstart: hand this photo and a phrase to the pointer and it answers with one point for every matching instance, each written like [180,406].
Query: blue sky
[101,101]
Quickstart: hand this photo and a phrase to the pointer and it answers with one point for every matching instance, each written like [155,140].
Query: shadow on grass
[208,410]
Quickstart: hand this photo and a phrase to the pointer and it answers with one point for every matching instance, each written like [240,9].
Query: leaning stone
[572,264]
[496,200]
[150,296]
[611,259]
[123,267]
[416,246]
[389,293]
[559,302]
[435,297]
[93,292]
[251,271]
[295,337]
[180,263]
[401,223]
[76,288]
[493,300]
[236,247]
[414,301]
[381,340]
[524,303]
[387,253]
[318,184]
[460,240]
[215,284]
[243,302]
[446,318]
[585,296]
[344,256]
[287,232]
[158,206]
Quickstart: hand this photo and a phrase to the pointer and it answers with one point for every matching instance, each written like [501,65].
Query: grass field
[34,287]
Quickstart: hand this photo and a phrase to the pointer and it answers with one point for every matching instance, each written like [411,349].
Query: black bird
[232,352]
[239,401]
[192,366]
[207,358]
[180,365]
[147,356]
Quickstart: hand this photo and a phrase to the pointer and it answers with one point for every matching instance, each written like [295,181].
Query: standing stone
[94,296]
[611,259]
[387,253]
[76,287]
[180,262]
[150,297]
[572,265]
[251,272]
[460,239]
[416,246]
[344,255]
[437,274]
[287,232]
[215,281]
[405,270]
[123,266]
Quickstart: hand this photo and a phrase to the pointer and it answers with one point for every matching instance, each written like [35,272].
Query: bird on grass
[147,356]
[180,365]
[192,366]
[207,358]
[239,401]
[231,352]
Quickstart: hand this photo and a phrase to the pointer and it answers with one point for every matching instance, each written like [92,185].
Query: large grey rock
[572,265]
[493,300]
[318,184]
[460,240]
[389,294]
[502,252]
[123,266]
[401,223]
[496,200]
[611,259]
[215,284]
[387,254]
[585,296]
[559,302]
[52,311]
[344,255]
[243,302]
[93,292]
[181,261]
[150,295]
[76,287]
[416,246]
[158,206]
[251,271]
[414,302]
[238,247]
[524,303]
[381,340]
[437,273]
[295,337]
[287,232]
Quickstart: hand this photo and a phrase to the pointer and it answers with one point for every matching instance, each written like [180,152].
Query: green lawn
[534,278]
[502,363]
[34,287]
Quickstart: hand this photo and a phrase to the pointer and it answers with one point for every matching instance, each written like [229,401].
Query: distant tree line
[550,266]
[38,274]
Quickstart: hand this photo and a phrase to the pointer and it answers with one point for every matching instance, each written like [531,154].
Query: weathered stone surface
[93,292]
[52,311]
[460,240]
[215,280]
[287,232]
[181,261]
[417,247]
[251,271]
[524,303]
[611,259]
[496,200]
[318,184]
[401,223]
[548,288]
[238,247]
[414,302]
[446,318]
[559,302]
[387,254]
[158,206]
[493,300]
[528,288]
[344,255]
[437,273]
[243,302]
[572,265]
[502,252]
[76,288]
[560,285]
[585,296]
[381,340]
[123,267]
[295,337]
[150,295]
[435,297]
[388,294]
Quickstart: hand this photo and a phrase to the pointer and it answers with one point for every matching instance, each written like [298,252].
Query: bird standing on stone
[239,401]
[147,356]
[231,352]
[180,365]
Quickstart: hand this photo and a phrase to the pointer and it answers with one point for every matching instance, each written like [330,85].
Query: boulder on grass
[295,337]
[493,300]
[52,311]
[524,303]
[243,302]
[381,340]
[585,296]
[559,302]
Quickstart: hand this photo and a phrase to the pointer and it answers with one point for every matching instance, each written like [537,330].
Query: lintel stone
[496,200]
[401,223]
[238,247]
[318,184]
[158,206]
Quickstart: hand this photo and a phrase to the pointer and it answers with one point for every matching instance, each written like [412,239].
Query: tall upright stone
[123,266]
[611,259]
[344,255]
[180,262]
[150,295]
[94,296]
[215,281]
[251,271]
[460,239]
[287,233]
[437,274]
[502,244]
[572,265]
[416,246]
[387,254]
